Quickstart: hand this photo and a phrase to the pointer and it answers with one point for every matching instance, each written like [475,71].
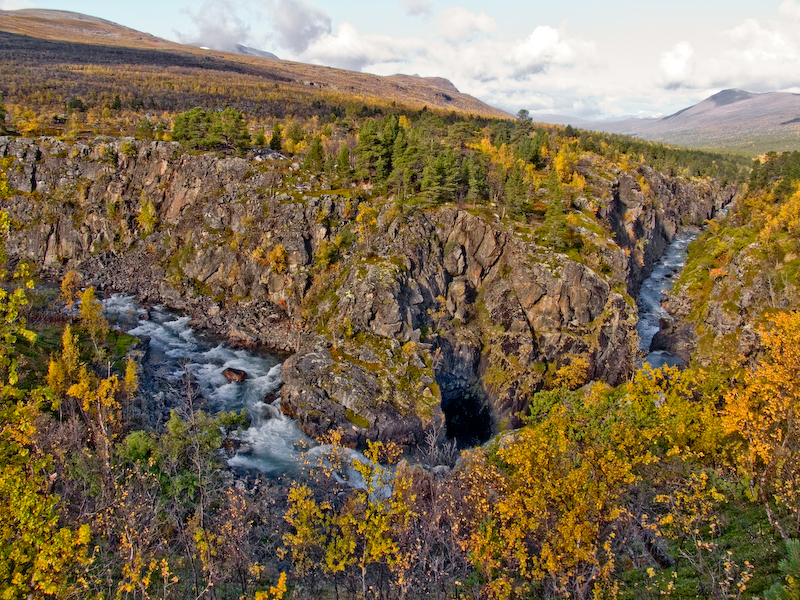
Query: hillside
[439,306]
[729,120]
[68,41]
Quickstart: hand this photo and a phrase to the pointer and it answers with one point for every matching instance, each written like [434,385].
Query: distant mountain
[731,119]
[247,51]
[48,36]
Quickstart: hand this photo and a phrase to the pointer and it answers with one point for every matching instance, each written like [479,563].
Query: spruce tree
[315,159]
[275,141]
[343,170]
[554,231]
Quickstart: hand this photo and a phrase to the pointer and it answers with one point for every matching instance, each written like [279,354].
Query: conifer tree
[554,231]
[315,159]
[275,143]
[342,167]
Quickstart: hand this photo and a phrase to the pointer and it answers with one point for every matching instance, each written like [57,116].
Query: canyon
[397,319]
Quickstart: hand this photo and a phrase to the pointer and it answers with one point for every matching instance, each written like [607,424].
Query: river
[652,293]
[273,443]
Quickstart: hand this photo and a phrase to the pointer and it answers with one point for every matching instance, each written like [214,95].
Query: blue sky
[581,58]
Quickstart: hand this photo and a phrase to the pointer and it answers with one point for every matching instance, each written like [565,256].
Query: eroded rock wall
[397,319]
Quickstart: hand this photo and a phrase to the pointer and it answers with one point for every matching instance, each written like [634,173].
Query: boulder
[232,374]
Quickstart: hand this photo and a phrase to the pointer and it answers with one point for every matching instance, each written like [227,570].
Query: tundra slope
[421,314]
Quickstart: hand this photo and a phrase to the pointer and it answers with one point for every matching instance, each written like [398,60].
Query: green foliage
[147,219]
[260,139]
[145,129]
[76,104]
[790,569]
[275,143]
[554,231]
[342,167]
[209,130]
[781,171]
[295,133]
[315,159]
[440,178]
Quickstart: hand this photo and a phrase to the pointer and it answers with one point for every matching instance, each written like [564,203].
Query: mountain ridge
[76,28]
[731,119]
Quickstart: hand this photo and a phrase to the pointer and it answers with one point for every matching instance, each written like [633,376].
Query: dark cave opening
[468,419]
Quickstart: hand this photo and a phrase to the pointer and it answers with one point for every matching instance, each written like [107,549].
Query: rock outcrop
[397,319]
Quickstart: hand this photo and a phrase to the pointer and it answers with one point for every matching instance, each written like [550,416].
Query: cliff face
[397,319]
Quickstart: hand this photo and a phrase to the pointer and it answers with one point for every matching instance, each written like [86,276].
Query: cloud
[543,47]
[298,24]
[756,55]
[544,70]
[15,4]
[458,23]
[347,49]
[676,65]
[218,26]
[417,8]
[789,8]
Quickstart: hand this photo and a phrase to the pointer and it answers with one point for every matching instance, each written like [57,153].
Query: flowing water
[273,443]
[652,293]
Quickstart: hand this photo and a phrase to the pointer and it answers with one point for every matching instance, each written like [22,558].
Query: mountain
[33,38]
[246,50]
[730,120]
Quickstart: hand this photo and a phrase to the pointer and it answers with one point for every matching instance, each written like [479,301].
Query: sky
[582,58]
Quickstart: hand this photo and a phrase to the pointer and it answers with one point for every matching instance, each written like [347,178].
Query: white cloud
[417,8]
[676,64]
[218,26]
[297,23]
[756,55]
[543,47]
[789,8]
[347,49]
[15,4]
[501,72]
[458,23]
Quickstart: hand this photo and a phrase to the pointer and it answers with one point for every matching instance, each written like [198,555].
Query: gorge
[424,316]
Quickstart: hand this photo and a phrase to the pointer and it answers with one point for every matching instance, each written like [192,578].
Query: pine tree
[477,180]
[554,231]
[275,143]
[790,567]
[440,177]
[368,150]
[342,167]
[315,159]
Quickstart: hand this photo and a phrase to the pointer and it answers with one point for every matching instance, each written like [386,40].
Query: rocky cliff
[398,318]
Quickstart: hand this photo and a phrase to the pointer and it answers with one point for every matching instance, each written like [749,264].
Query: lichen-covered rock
[326,391]
[397,319]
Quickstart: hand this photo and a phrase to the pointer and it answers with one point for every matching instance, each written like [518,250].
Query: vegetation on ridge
[675,483]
